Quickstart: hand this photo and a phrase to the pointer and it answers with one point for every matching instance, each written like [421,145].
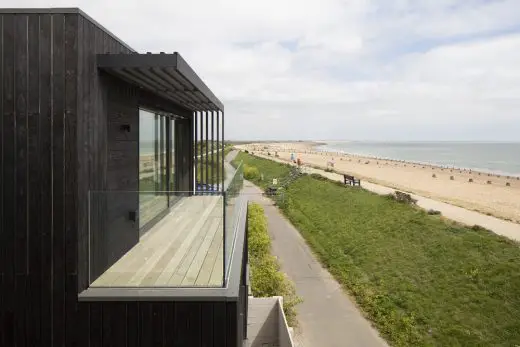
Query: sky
[338,69]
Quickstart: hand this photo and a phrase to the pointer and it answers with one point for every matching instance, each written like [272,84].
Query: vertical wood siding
[60,139]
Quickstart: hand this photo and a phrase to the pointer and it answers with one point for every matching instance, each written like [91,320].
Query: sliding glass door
[156,161]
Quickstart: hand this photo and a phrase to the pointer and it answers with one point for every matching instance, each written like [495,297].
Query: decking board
[188,255]
[174,252]
[166,277]
[217,274]
[196,265]
[120,270]
[206,269]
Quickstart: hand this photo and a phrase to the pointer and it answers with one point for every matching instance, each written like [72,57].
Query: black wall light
[133,216]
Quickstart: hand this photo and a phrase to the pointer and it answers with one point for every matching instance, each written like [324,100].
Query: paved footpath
[498,226]
[327,316]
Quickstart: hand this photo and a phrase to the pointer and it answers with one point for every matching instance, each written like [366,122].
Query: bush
[259,241]
[479,228]
[432,212]
[251,172]
[404,198]
[280,171]
[266,278]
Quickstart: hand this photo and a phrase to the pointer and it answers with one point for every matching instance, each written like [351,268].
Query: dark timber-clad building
[120,225]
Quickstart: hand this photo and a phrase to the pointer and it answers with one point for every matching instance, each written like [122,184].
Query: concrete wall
[267,325]
[284,332]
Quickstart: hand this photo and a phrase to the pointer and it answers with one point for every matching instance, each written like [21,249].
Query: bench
[351,180]
[271,191]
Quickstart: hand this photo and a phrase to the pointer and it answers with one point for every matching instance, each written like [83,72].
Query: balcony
[187,240]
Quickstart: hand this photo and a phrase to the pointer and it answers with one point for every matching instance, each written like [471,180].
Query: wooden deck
[183,250]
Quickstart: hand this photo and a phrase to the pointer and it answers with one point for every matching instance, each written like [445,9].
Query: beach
[492,194]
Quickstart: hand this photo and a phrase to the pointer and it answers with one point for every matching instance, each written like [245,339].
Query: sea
[491,157]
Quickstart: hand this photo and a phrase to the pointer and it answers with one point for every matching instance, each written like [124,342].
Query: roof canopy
[167,75]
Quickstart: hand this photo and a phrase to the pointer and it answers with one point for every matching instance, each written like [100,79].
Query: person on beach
[292,156]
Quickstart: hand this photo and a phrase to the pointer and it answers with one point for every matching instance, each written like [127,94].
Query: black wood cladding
[58,132]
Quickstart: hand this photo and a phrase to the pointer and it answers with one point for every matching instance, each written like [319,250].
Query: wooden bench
[351,180]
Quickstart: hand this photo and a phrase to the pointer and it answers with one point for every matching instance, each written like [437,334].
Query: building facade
[104,238]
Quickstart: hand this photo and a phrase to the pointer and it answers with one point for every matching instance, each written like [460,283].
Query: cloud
[340,69]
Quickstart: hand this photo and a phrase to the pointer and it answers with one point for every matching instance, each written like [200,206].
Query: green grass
[214,166]
[147,184]
[212,169]
[227,149]
[200,146]
[265,167]
[422,280]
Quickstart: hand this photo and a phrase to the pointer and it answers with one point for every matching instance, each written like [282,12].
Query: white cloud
[340,68]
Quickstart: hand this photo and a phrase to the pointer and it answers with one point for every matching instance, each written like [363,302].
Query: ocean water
[493,157]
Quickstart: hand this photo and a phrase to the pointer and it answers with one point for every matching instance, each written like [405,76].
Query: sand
[449,185]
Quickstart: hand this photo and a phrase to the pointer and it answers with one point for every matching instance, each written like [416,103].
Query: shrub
[477,227]
[432,212]
[266,278]
[404,198]
[251,172]
[259,241]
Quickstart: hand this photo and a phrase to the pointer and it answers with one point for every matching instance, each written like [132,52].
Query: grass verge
[266,172]
[266,278]
[422,280]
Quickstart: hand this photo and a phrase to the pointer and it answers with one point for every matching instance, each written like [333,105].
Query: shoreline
[316,148]
[491,194]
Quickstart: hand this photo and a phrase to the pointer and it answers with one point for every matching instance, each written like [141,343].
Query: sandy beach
[487,193]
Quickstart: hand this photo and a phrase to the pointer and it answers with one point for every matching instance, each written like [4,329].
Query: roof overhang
[166,75]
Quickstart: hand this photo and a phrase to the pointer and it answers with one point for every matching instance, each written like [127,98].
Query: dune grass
[422,280]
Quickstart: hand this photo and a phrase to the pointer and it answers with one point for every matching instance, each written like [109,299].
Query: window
[154,175]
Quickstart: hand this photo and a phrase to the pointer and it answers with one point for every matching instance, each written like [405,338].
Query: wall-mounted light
[133,216]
